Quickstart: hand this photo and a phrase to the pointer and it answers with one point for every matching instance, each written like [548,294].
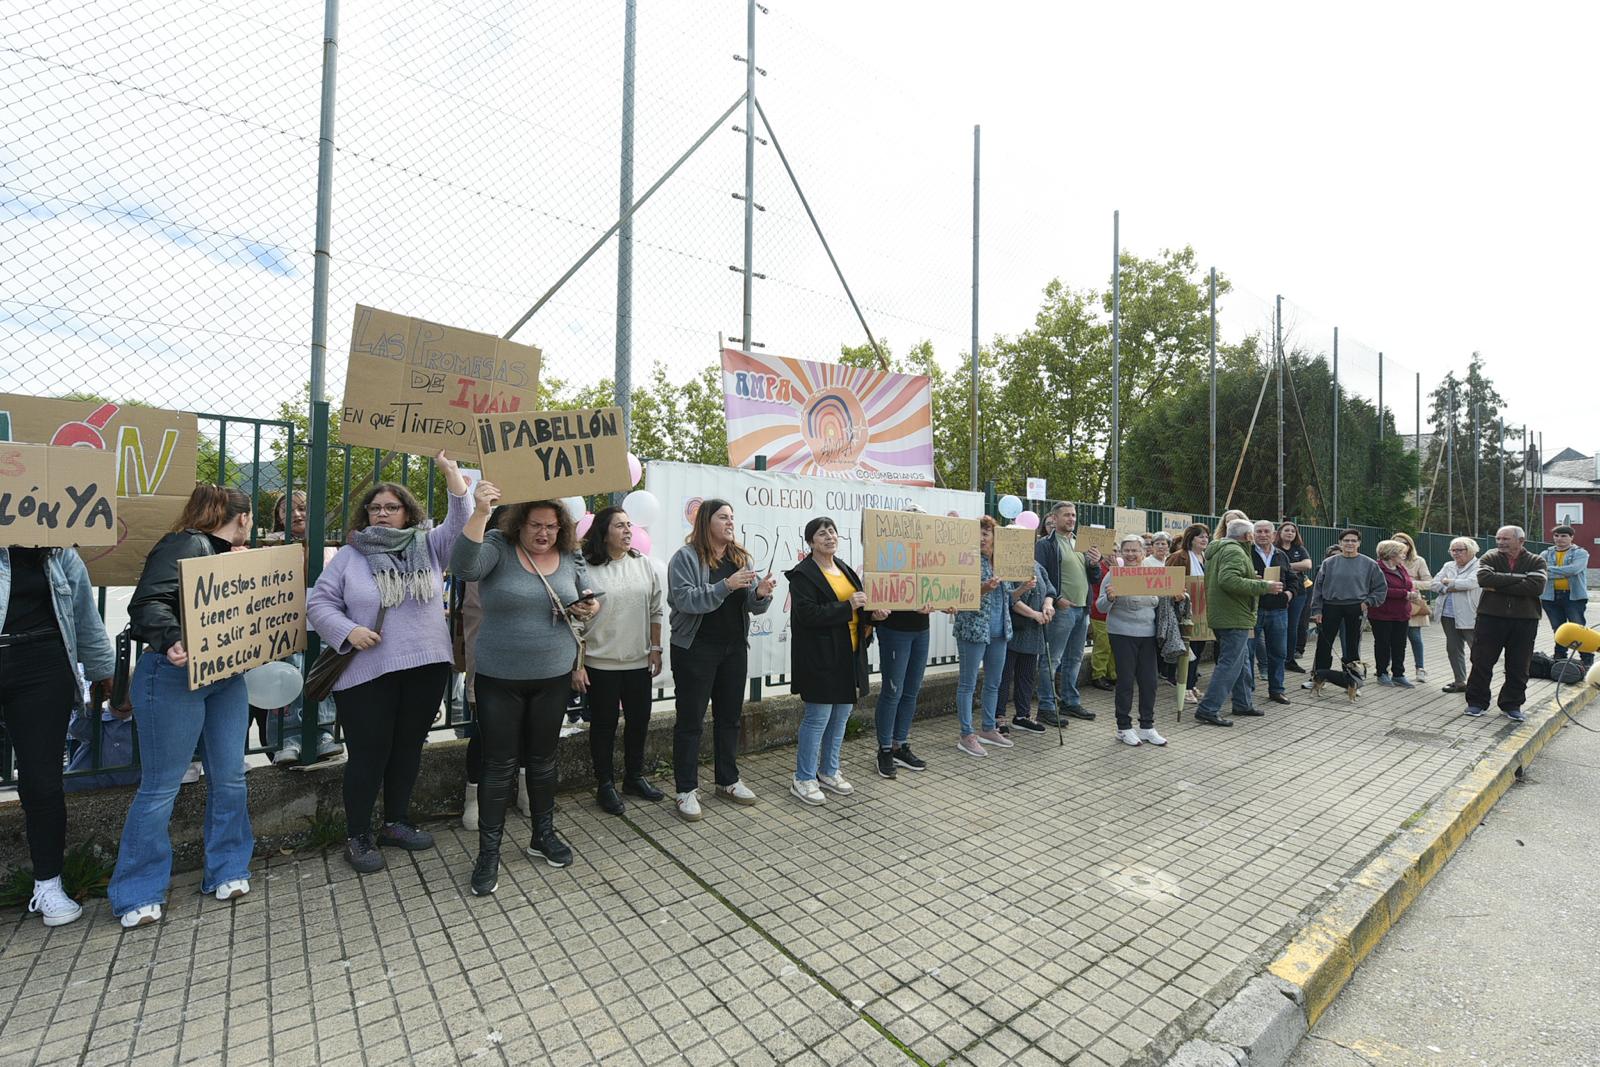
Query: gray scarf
[400,561]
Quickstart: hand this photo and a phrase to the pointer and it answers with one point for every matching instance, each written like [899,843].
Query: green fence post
[316,531]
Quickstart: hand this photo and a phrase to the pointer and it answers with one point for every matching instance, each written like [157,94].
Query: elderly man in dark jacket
[1512,579]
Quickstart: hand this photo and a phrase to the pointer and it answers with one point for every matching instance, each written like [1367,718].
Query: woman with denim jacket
[981,640]
[48,625]
[172,718]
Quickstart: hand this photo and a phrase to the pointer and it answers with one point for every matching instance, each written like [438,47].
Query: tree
[1453,447]
[682,422]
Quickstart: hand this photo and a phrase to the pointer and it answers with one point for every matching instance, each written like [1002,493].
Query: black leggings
[707,671]
[519,720]
[37,691]
[1337,618]
[609,693]
[385,722]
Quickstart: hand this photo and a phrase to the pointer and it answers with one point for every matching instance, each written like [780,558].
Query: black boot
[638,785]
[545,844]
[610,802]
[486,871]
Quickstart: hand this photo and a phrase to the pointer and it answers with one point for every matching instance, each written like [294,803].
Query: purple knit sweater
[414,634]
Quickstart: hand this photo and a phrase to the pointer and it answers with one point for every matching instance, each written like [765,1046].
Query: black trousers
[609,693]
[1018,682]
[519,721]
[1389,646]
[1339,620]
[1490,636]
[37,690]
[707,672]
[385,721]
[1136,665]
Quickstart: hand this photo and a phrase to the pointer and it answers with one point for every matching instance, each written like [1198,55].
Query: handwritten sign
[912,560]
[1147,581]
[1088,537]
[1131,520]
[242,609]
[1197,609]
[56,497]
[1271,574]
[1013,553]
[417,386]
[1175,522]
[540,455]
[154,450]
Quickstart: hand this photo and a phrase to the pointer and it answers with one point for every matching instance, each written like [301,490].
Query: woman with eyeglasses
[389,695]
[1459,593]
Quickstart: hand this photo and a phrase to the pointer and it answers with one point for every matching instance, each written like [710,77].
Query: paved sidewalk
[1085,904]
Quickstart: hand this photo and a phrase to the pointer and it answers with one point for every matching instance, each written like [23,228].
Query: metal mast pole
[1419,439]
[1539,499]
[749,165]
[1380,422]
[973,457]
[1527,518]
[1501,449]
[1450,462]
[1116,358]
[1337,518]
[1213,390]
[623,372]
[317,450]
[1477,469]
[1277,347]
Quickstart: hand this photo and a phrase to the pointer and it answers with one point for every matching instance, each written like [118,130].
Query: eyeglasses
[537,527]
[384,509]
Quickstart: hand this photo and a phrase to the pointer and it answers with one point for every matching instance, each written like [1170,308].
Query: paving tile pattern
[1044,905]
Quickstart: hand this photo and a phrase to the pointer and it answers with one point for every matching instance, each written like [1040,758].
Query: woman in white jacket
[1457,607]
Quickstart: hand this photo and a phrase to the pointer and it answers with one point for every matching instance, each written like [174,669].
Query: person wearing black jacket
[828,655]
[1272,611]
[1512,579]
[172,718]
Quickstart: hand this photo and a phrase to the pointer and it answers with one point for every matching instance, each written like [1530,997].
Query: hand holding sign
[484,497]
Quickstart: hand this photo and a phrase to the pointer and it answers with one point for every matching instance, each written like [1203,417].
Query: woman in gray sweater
[1345,585]
[1131,623]
[533,587]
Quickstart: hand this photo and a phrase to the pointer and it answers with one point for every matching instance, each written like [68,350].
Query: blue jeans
[288,725]
[822,728]
[1414,635]
[1562,608]
[902,659]
[1232,674]
[992,658]
[1064,649]
[171,719]
[1272,644]
[1297,609]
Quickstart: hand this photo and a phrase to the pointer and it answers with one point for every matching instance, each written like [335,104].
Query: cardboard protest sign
[1175,522]
[1013,553]
[417,386]
[911,560]
[1147,581]
[242,609]
[56,497]
[1088,537]
[1271,574]
[1197,609]
[541,455]
[154,450]
[1131,520]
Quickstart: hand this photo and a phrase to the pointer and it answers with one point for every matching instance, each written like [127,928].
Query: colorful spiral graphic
[835,428]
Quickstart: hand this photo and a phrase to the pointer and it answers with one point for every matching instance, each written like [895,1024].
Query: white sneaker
[1150,737]
[51,902]
[835,783]
[738,792]
[524,804]
[286,756]
[193,773]
[150,913]
[689,806]
[1129,737]
[238,887]
[1422,675]
[969,744]
[469,808]
[805,790]
[327,746]
[995,738]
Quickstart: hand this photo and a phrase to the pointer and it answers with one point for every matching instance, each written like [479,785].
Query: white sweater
[618,638]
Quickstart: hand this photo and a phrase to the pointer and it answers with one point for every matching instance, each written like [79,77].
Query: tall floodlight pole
[1336,516]
[1539,499]
[623,371]
[1277,348]
[972,459]
[1380,421]
[1418,441]
[1213,408]
[1523,478]
[1116,358]
[1450,462]
[1477,469]
[1500,448]
[749,167]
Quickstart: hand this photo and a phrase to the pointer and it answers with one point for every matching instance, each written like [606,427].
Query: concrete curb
[1262,1024]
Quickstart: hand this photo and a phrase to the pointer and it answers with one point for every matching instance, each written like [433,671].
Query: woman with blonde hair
[1421,579]
[1459,593]
[1391,618]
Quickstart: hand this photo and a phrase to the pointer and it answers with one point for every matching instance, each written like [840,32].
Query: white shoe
[805,790]
[1150,737]
[150,913]
[193,773]
[1422,675]
[738,792]
[1129,737]
[286,756]
[969,744]
[327,746]
[835,783]
[51,902]
[238,887]
[524,805]
[995,738]
[689,806]
[469,808]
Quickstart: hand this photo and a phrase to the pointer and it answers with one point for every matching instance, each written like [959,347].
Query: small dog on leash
[1351,678]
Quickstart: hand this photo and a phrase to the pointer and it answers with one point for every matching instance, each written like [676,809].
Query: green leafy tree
[1465,413]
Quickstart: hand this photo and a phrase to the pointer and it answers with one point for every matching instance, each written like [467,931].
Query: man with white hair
[1512,580]
[1232,590]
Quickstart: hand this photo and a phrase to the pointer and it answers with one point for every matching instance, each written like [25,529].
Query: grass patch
[1414,818]
[85,873]
[325,829]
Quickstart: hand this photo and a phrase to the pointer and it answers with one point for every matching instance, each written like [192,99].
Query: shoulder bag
[330,666]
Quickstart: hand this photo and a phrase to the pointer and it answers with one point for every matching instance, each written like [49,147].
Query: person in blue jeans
[1072,574]
[1232,590]
[1566,594]
[902,659]
[1272,610]
[172,718]
[981,639]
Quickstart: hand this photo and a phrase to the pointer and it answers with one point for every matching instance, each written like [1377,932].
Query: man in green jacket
[1232,590]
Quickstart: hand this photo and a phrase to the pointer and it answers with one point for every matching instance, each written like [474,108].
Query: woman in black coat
[828,658]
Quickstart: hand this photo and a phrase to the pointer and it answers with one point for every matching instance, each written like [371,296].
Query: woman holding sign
[382,597]
[981,640]
[172,718]
[712,590]
[1131,624]
[528,656]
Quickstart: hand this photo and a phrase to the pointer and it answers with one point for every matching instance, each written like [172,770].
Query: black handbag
[330,666]
[121,697]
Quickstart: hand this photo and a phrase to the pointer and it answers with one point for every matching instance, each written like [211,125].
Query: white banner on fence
[770,511]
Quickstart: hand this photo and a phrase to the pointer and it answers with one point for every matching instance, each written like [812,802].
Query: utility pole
[1336,515]
[1214,392]
[1501,449]
[623,371]
[1477,469]
[1419,439]
[1450,462]
[972,459]
[1277,347]
[1116,357]
[749,167]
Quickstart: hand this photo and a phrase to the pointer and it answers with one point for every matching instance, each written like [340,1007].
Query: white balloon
[575,507]
[272,685]
[1010,506]
[642,507]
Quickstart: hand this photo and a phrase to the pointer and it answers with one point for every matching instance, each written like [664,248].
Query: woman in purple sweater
[390,694]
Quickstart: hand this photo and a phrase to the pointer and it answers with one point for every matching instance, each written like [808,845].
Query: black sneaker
[1049,717]
[361,854]
[404,835]
[1294,668]
[886,763]
[1078,711]
[903,757]
[1003,727]
[485,874]
[1024,723]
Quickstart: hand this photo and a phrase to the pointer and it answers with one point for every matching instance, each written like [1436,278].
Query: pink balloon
[635,470]
[1028,520]
[641,540]
[585,522]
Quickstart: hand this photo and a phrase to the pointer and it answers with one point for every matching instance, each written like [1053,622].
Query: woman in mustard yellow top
[828,659]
